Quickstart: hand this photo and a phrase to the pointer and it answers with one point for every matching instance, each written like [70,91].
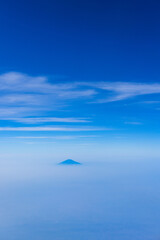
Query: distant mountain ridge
[69,162]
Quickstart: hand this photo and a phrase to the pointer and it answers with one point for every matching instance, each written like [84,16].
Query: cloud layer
[31,103]
[23,95]
[26,95]
[28,100]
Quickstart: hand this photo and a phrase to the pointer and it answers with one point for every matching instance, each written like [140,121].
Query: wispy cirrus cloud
[150,102]
[24,95]
[54,129]
[29,103]
[35,120]
[66,137]
[123,90]
[133,123]
[20,92]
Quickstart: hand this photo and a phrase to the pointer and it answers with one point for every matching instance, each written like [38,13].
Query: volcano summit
[69,162]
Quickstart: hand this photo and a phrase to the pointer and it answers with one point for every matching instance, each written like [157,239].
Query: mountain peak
[69,162]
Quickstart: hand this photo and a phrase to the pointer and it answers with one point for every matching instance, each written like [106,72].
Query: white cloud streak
[133,123]
[46,120]
[55,129]
[66,137]
[150,102]
[125,90]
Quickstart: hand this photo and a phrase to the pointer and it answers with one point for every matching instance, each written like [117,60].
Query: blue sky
[77,72]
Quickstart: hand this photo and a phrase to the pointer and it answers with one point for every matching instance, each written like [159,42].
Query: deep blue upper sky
[99,62]
[84,40]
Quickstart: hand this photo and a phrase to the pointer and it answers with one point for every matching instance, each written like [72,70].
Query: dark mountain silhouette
[69,162]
